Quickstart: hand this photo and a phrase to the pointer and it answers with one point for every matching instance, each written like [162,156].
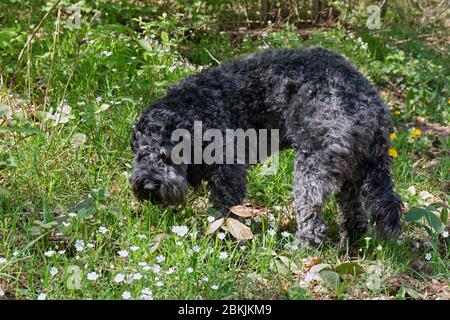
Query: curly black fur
[325,110]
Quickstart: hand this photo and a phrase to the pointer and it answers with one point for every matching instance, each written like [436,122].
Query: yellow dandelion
[448,101]
[393,153]
[416,133]
[397,113]
[393,136]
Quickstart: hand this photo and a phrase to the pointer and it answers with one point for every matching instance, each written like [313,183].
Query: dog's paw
[311,237]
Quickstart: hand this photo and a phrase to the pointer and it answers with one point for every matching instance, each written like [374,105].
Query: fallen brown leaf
[214,226]
[238,230]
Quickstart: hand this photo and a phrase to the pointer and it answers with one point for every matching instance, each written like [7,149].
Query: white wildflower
[412,190]
[126,295]
[92,276]
[79,245]
[49,253]
[180,230]
[42,296]
[123,253]
[53,271]
[223,255]
[119,278]
[102,230]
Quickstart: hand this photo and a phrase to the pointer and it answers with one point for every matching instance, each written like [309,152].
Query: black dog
[324,109]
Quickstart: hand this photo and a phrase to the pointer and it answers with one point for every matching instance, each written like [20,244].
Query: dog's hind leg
[380,199]
[352,218]
[314,181]
[228,185]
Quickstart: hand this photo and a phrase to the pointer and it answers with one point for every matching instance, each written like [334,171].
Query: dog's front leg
[228,185]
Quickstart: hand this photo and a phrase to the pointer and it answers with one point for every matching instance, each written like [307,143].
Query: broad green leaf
[86,208]
[415,214]
[434,221]
[331,279]
[350,267]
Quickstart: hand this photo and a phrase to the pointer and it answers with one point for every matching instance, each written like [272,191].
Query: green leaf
[352,268]
[290,264]
[27,130]
[99,194]
[444,216]
[434,221]
[331,279]
[279,267]
[299,293]
[415,214]
[164,37]
[86,208]
[7,161]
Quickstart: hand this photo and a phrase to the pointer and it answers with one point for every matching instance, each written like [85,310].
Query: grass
[67,213]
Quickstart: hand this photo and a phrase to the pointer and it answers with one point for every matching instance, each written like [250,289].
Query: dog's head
[155,177]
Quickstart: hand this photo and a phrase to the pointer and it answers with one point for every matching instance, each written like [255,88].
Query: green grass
[56,190]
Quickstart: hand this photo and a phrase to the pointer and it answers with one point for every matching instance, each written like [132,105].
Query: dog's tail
[380,199]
